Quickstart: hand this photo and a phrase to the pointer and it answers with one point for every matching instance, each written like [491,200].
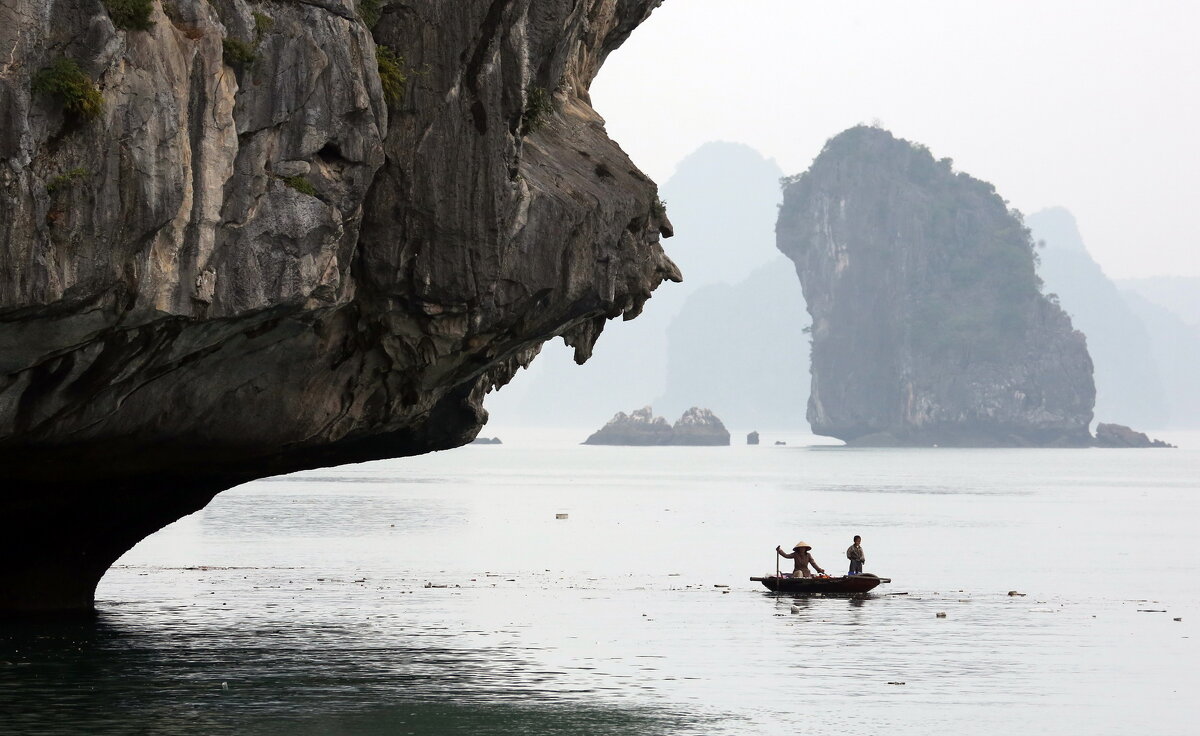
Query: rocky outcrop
[929,326]
[286,239]
[638,428]
[641,428]
[699,427]
[1118,435]
[752,438]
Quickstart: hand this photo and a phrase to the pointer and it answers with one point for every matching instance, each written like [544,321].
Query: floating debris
[941,614]
[1177,618]
[1015,593]
[795,609]
[897,683]
[1151,610]
[560,516]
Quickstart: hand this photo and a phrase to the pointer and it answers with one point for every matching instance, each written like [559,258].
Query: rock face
[752,438]
[1118,435]
[928,323]
[641,428]
[260,256]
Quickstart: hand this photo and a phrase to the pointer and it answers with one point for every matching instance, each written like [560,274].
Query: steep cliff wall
[928,323]
[257,254]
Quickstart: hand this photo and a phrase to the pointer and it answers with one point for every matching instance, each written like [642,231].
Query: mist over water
[300,603]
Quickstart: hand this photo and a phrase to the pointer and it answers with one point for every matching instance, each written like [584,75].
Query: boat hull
[845,585]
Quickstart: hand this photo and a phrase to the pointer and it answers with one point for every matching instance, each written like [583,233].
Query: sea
[541,586]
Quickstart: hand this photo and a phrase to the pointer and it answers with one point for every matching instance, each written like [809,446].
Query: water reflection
[116,675]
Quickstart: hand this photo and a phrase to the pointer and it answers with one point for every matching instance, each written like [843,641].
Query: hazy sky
[1093,105]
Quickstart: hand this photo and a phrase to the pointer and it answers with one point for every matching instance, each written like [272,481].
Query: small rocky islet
[641,428]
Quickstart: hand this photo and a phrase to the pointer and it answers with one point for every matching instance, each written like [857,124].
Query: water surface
[440,594]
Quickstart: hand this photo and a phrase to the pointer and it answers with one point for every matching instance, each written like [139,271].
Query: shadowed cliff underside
[259,258]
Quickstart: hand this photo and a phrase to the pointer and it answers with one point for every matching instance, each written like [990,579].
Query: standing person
[856,556]
[802,558]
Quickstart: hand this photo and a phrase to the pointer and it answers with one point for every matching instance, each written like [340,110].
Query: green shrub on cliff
[74,89]
[130,15]
[391,73]
[300,184]
[538,106]
[369,11]
[262,23]
[66,179]
[238,53]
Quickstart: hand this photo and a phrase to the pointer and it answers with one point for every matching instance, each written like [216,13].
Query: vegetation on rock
[391,73]
[262,23]
[538,107]
[369,11]
[238,53]
[130,15]
[65,179]
[300,184]
[73,88]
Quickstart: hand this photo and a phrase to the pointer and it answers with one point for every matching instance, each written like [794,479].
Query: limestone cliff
[247,238]
[929,326]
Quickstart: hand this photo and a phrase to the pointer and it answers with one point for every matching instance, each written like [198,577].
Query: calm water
[303,604]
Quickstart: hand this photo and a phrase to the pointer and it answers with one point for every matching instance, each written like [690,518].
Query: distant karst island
[929,323]
[641,428]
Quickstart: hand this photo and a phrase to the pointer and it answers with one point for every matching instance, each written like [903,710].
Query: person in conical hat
[801,556]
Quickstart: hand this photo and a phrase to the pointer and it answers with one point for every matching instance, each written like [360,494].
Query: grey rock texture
[1118,435]
[928,323]
[176,319]
[641,428]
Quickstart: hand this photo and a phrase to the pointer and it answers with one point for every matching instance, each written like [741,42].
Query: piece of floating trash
[224,685]
[725,591]
[1177,618]
[795,609]
[1015,593]
[720,586]
[941,614]
[897,683]
[560,516]
[428,585]
[1151,610]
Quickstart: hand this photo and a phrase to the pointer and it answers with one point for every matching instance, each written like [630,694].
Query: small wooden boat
[825,585]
